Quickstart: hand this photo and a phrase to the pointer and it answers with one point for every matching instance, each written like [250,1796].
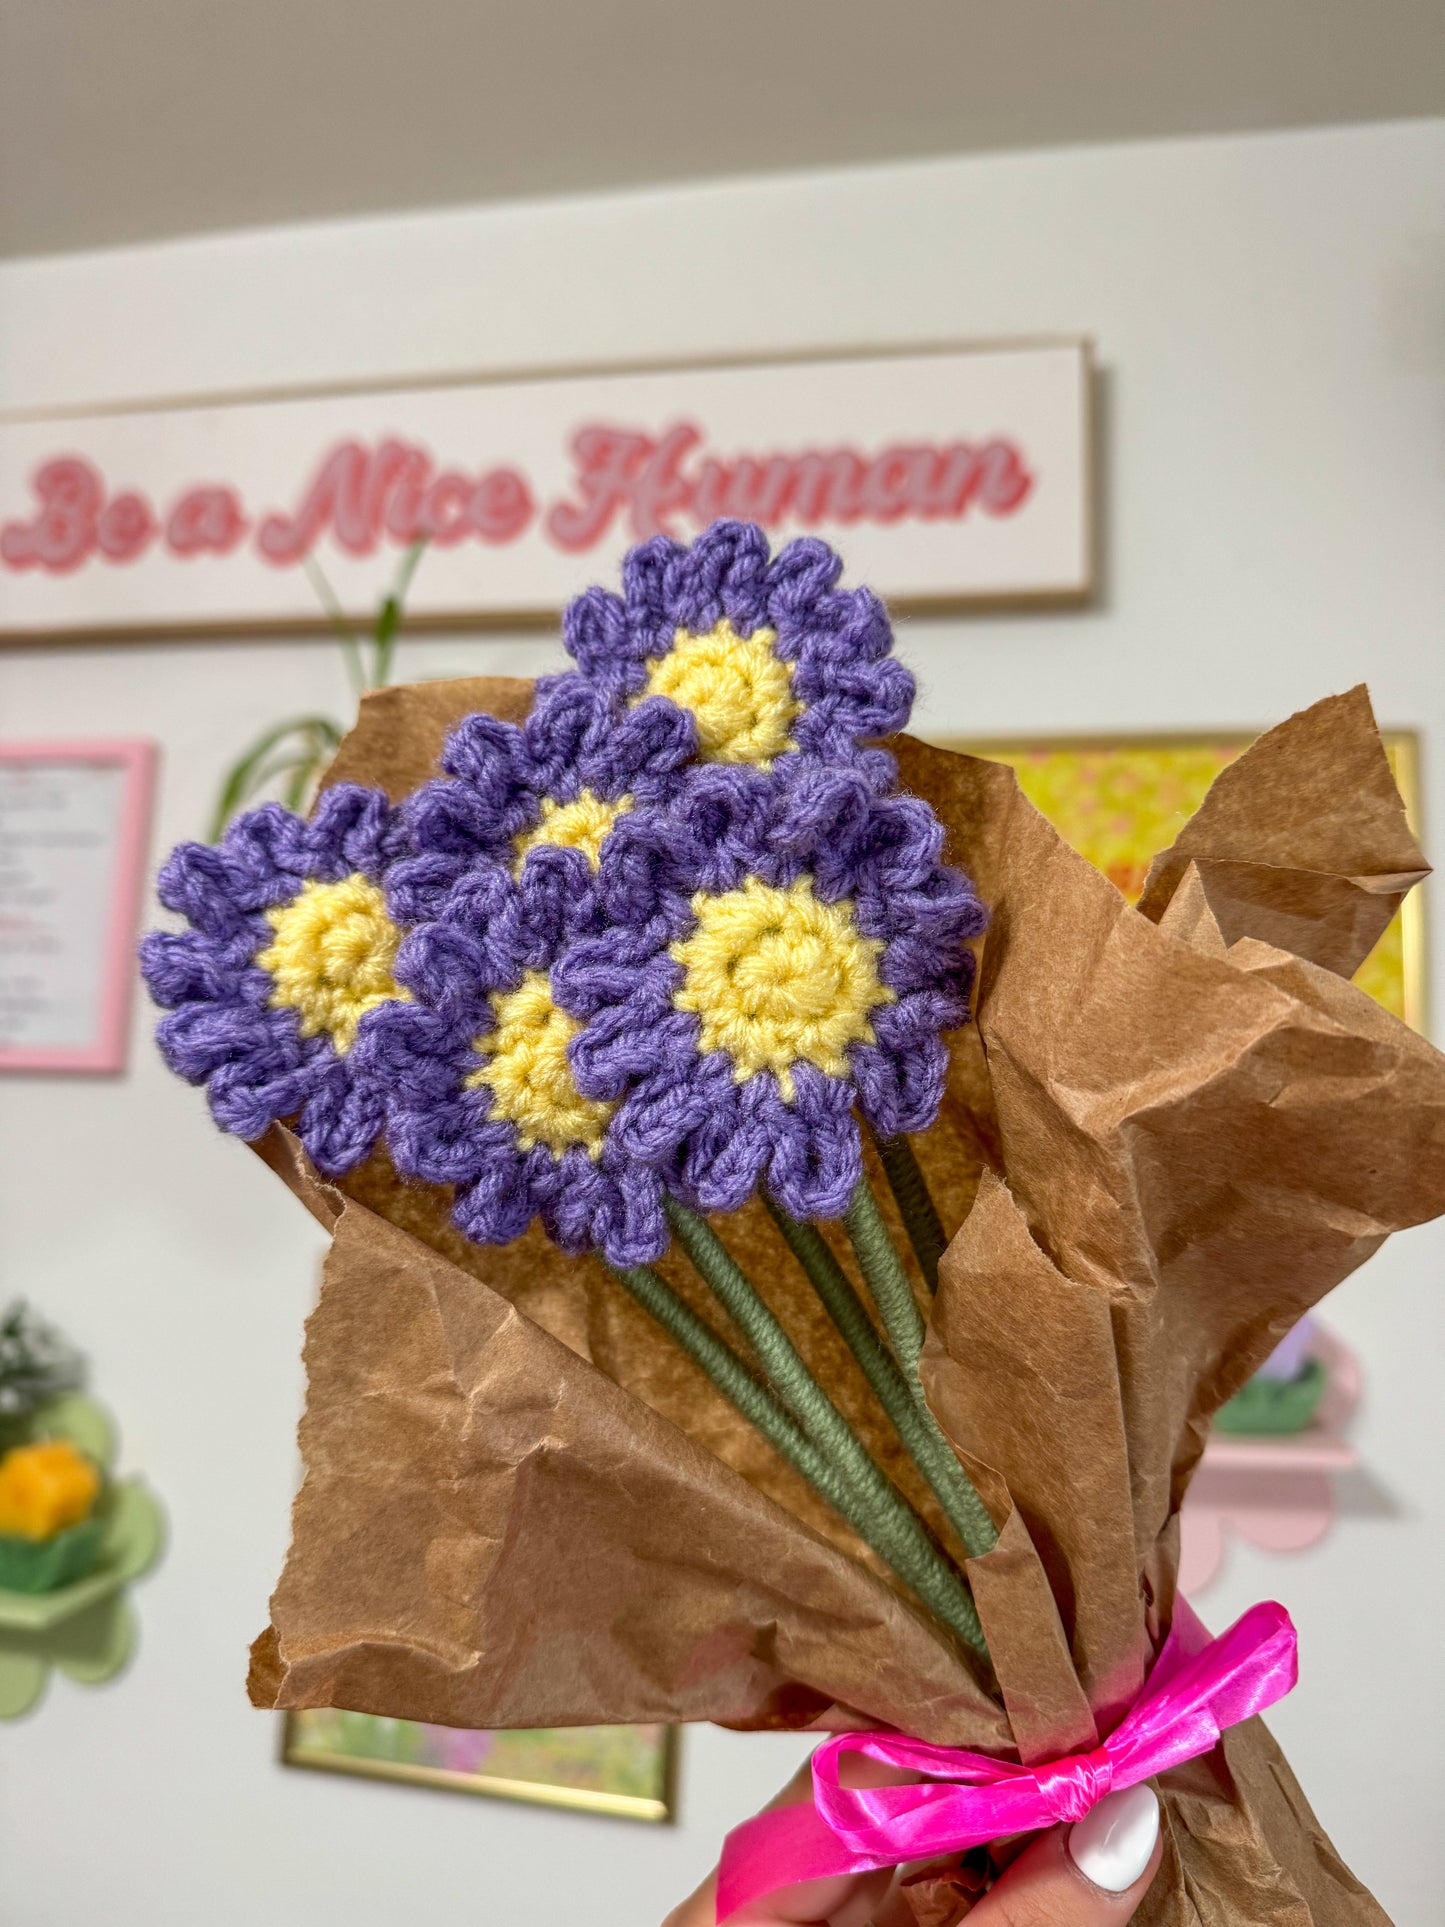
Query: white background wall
[1270,316]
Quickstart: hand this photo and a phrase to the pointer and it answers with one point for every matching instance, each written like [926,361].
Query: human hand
[1093,1874]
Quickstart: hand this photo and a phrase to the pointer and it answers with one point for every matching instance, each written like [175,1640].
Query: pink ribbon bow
[1197,1687]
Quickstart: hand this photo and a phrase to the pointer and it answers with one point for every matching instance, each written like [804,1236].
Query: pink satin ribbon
[1197,1687]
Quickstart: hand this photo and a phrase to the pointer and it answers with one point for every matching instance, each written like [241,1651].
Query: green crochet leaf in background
[86,1628]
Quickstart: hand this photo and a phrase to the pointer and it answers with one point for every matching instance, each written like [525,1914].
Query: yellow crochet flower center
[739,691]
[527,1072]
[778,978]
[45,1488]
[582,825]
[333,956]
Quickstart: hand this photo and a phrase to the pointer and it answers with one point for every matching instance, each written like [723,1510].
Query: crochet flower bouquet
[718,1325]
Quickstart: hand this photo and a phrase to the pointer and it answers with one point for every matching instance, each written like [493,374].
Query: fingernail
[1111,1846]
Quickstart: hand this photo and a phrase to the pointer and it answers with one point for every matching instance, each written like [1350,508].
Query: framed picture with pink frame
[74,822]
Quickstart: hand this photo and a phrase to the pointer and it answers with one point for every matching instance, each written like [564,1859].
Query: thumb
[1093,1874]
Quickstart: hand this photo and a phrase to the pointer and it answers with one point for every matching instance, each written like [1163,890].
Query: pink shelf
[1275,1493]
[1313,1451]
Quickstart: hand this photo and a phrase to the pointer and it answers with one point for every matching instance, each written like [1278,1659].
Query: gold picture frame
[639,1761]
[1119,798]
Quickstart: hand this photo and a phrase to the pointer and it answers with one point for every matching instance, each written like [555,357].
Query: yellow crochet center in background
[333,957]
[779,978]
[582,825]
[740,692]
[44,1488]
[527,1072]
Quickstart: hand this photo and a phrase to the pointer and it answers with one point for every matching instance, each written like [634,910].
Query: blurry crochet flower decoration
[771,663]
[289,953]
[478,1065]
[772,966]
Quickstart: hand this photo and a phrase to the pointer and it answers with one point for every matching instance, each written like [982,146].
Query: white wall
[1270,314]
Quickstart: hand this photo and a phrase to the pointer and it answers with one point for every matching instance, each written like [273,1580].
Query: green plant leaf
[345,634]
[389,618]
[247,774]
[299,749]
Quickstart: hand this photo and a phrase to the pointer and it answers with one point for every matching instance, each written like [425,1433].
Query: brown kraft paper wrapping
[1170,1132]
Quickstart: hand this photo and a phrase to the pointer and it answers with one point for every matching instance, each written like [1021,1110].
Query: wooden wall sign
[948,477]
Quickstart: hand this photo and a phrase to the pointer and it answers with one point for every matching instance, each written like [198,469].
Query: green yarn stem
[887,1280]
[879,1513]
[915,1204]
[916,1426]
[893,1295]
[734,1380]
[760,1407]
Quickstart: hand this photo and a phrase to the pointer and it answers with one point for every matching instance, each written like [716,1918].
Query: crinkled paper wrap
[1171,1131]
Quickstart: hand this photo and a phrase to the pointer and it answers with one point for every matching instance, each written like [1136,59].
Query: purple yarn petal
[270,853]
[247,1095]
[641,753]
[799,577]
[569,721]
[646,873]
[616,1049]
[450,969]
[340,1122]
[354,829]
[417,887]
[919,1015]
[877,1075]
[181,967]
[631,984]
[658,1116]
[724,1157]
[200,1039]
[631,1226]
[723,576]
[650,614]
[199,883]
[558,899]
[580,1192]
[456,820]
[599,638]
[901,1090]
[497,1206]
[817,1156]
[821,818]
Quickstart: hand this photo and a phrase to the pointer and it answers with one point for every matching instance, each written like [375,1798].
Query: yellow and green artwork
[626,1771]
[1119,802]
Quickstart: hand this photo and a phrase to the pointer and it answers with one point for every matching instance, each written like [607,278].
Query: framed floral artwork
[1120,799]
[626,1771]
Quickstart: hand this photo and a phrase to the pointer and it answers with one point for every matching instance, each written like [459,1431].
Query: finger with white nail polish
[1112,1845]
[1091,1875]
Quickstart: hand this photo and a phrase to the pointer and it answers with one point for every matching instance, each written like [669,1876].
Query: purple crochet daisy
[479,1066]
[287,960]
[559,780]
[772,964]
[772,664]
